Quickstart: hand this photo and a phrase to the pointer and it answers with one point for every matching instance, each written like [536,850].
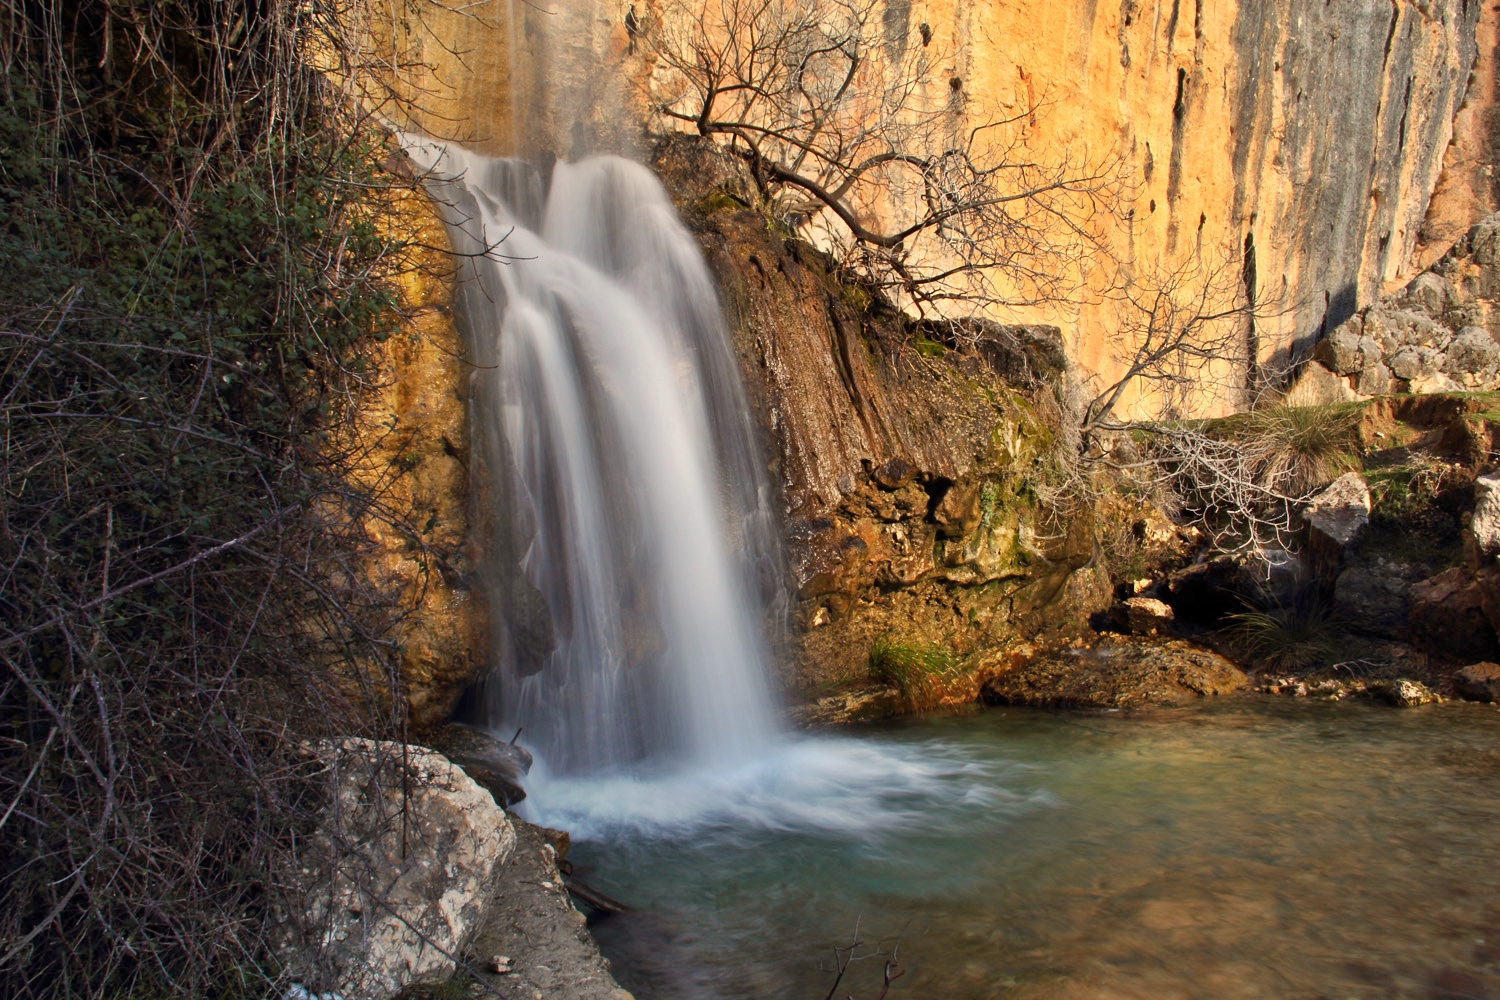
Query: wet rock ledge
[1117,672]
[533,931]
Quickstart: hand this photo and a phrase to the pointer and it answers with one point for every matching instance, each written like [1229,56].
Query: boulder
[1342,351]
[1340,512]
[1373,595]
[1485,525]
[1116,673]
[1390,329]
[1486,578]
[1146,615]
[1473,352]
[894,473]
[1316,385]
[1403,693]
[957,511]
[1416,362]
[1483,241]
[1336,518]
[1448,618]
[1433,384]
[1429,293]
[397,874]
[496,765]
[1479,681]
[1374,380]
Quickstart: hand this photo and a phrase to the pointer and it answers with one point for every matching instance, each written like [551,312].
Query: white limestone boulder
[397,875]
[1485,524]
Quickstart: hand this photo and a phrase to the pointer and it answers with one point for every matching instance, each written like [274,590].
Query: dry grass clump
[1302,448]
[1298,635]
[1244,479]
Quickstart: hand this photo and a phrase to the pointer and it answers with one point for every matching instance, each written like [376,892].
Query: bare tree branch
[855,141]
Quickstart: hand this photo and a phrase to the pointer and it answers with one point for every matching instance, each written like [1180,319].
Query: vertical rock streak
[625,466]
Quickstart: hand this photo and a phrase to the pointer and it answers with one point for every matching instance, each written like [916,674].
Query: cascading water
[631,513]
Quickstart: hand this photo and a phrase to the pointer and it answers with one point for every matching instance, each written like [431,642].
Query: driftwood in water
[591,897]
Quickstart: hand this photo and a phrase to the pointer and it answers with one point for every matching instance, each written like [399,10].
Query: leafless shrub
[1245,479]
[1181,340]
[192,276]
[857,138]
[858,950]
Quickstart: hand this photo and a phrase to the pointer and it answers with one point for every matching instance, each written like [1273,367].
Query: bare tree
[1181,336]
[857,136]
[860,139]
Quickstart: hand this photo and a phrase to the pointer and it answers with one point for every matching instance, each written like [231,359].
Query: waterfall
[634,554]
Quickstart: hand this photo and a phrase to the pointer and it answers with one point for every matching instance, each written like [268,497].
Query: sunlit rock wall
[1303,135]
[410,429]
[1308,133]
[1469,188]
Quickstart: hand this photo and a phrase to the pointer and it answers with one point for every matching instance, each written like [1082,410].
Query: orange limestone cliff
[1292,144]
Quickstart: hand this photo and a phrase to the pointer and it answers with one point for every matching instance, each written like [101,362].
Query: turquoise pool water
[1245,848]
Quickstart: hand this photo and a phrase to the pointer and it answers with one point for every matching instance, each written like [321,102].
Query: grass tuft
[919,670]
[1295,636]
[1307,446]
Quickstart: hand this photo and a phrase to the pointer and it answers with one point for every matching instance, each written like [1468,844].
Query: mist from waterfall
[633,556]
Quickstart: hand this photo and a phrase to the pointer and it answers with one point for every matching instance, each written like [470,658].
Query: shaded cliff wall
[1305,135]
[410,430]
[923,496]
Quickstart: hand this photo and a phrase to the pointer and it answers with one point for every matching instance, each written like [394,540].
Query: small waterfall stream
[634,535]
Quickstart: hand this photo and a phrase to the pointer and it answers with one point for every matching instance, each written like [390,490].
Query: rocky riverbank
[1388,588]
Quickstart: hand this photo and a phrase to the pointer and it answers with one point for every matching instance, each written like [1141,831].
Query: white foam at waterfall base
[842,786]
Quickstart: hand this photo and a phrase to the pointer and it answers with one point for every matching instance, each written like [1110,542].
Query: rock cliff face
[1438,334]
[1295,142]
[1469,188]
[923,504]
[411,430]
[1299,140]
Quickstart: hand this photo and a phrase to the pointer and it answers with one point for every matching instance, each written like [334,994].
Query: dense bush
[191,275]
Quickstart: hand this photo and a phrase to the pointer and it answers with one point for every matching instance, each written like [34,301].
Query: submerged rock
[843,707]
[397,875]
[1479,681]
[1117,673]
